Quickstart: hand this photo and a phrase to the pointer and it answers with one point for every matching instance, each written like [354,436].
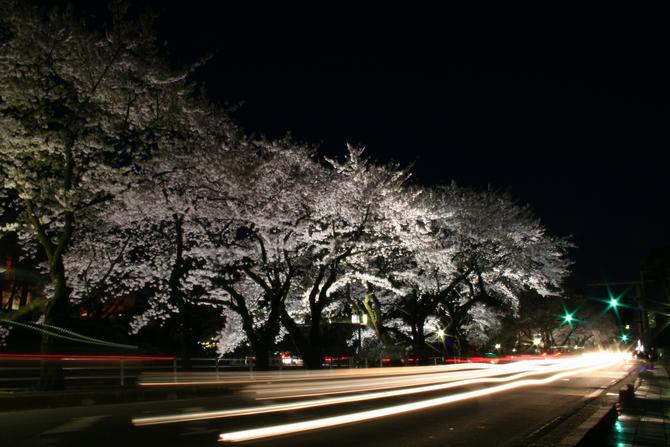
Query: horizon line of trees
[121,179]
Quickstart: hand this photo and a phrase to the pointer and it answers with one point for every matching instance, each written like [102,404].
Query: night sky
[567,109]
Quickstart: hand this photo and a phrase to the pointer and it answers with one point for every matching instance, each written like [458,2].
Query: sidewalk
[646,421]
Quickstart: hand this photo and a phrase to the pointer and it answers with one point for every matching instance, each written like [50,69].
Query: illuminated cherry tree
[78,108]
[257,245]
[288,239]
[127,183]
[148,237]
[481,249]
[348,228]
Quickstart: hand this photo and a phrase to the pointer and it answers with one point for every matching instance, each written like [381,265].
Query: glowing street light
[497,346]
[537,341]
[441,333]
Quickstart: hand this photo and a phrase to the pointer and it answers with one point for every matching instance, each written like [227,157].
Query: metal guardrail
[23,370]
[82,371]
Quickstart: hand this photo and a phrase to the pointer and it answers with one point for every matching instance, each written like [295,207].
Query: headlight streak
[303,390]
[296,427]
[454,382]
[208,379]
[522,369]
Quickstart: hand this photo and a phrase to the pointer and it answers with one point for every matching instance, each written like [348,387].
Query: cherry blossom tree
[472,255]
[503,251]
[78,108]
[347,229]
[258,242]
[208,226]
[287,235]
[128,184]
[148,238]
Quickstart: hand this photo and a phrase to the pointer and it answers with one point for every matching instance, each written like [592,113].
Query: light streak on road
[439,382]
[208,379]
[325,388]
[587,363]
[456,380]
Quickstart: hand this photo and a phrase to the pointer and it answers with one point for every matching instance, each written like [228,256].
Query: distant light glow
[614,302]
[441,333]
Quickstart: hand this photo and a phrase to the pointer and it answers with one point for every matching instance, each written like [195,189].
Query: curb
[593,429]
[599,424]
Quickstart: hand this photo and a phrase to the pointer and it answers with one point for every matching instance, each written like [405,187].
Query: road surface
[474,416]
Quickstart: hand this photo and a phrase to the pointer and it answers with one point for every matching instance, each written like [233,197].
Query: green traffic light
[568,318]
[624,338]
[614,302]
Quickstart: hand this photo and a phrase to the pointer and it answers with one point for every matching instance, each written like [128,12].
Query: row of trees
[129,182]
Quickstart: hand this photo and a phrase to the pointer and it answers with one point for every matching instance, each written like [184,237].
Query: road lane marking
[544,426]
[596,393]
[76,424]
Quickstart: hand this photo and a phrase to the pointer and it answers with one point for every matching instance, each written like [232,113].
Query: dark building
[654,298]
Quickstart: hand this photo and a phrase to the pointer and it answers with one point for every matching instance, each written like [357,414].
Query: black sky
[568,109]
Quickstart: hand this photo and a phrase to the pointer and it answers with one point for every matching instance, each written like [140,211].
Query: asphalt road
[513,417]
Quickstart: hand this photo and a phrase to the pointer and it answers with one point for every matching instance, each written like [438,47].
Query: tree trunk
[309,347]
[24,297]
[176,295]
[186,337]
[51,374]
[419,340]
[262,354]
[314,356]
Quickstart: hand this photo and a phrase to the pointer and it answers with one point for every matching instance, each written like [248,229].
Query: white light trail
[452,383]
[324,388]
[206,379]
[590,363]
[454,379]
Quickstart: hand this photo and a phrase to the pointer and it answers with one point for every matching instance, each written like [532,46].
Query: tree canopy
[129,183]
